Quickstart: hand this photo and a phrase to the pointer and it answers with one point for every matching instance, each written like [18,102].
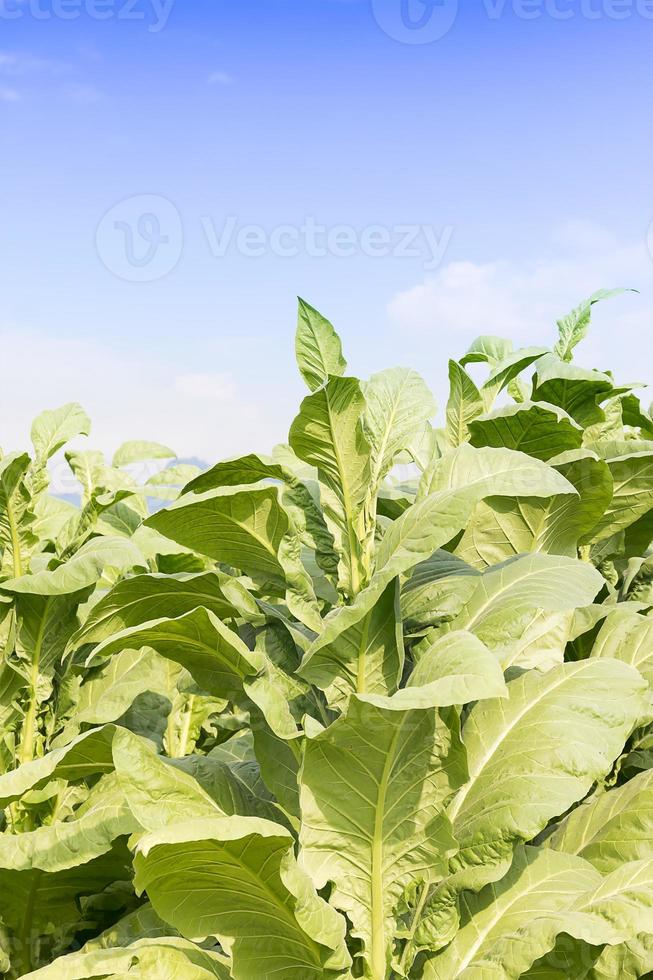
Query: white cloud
[130,395]
[220,78]
[522,300]
[206,386]
[18,63]
[82,94]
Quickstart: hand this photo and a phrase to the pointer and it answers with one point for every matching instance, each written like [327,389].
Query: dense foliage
[377,706]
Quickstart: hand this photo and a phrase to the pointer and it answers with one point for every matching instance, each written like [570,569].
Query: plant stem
[28,740]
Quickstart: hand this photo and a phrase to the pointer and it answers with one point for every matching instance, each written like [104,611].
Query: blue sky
[511,159]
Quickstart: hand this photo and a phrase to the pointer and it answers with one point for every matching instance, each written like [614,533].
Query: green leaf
[515,922]
[434,520]
[296,497]
[106,694]
[158,794]
[611,828]
[436,590]
[517,783]
[501,528]
[88,754]
[628,636]
[51,430]
[452,669]
[220,662]
[253,896]
[42,910]
[573,389]
[328,434]
[465,404]
[492,472]
[142,598]
[81,571]
[398,403]
[212,653]
[540,430]
[165,959]
[317,347]
[248,529]
[507,597]
[373,790]
[367,657]
[632,475]
[140,452]
[97,823]
[573,327]
[16,537]
[486,350]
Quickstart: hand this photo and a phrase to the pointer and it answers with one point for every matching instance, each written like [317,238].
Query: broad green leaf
[486,350]
[534,428]
[158,794]
[16,537]
[106,694]
[627,961]
[367,657]
[44,911]
[81,571]
[518,780]
[218,660]
[144,597]
[573,327]
[516,921]
[52,516]
[161,792]
[373,789]
[51,430]
[328,433]
[508,367]
[434,520]
[212,653]
[512,923]
[296,497]
[88,754]
[436,590]
[573,389]
[507,597]
[250,530]
[632,475]
[89,467]
[398,404]
[236,878]
[611,828]
[62,845]
[627,636]
[492,472]
[465,404]
[174,476]
[317,347]
[452,670]
[165,959]
[140,452]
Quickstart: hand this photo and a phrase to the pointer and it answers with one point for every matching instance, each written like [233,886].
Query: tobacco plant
[377,705]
